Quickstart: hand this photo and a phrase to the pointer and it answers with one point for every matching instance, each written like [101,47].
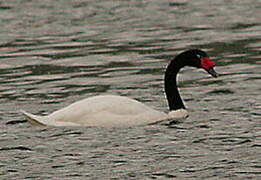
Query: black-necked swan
[120,111]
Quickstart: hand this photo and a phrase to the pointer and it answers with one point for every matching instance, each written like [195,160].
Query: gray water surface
[53,53]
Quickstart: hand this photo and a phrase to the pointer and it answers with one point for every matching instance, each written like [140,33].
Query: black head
[199,59]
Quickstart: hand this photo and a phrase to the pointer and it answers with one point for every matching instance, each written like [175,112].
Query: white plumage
[105,111]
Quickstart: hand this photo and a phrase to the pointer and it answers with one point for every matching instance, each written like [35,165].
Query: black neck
[171,90]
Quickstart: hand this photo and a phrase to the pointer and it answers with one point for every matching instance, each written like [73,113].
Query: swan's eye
[199,56]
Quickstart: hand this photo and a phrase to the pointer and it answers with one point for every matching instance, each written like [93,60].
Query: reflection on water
[54,53]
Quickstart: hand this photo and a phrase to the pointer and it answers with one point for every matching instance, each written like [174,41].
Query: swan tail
[33,119]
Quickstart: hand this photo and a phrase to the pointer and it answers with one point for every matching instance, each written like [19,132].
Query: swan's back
[104,110]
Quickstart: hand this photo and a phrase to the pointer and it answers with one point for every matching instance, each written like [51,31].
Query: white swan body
[105,111]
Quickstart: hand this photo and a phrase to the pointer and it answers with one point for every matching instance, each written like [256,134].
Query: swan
[120,111]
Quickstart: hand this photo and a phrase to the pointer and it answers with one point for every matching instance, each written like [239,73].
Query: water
[53,53]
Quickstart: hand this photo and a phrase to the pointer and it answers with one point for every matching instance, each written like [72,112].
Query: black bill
[212,72]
